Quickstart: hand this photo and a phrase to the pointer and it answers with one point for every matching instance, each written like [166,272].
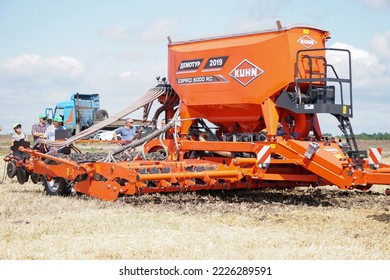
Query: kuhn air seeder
[242,113]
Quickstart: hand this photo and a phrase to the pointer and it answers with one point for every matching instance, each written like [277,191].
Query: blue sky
[52,49]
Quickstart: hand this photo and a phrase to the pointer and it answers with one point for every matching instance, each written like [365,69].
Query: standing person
[127,132]
[50,130]
[38,129]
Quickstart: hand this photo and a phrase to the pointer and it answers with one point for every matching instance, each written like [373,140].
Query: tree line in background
[367,136]
[374,136]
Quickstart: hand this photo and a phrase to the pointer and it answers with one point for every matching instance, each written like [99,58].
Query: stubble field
[303,223]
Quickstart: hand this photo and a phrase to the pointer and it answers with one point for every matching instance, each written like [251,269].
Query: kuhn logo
[246,72]
[306,41]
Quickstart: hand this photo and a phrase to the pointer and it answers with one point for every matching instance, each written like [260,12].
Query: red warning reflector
[264,157]
[375,157]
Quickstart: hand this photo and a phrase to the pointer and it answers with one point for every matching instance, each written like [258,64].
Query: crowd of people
[46,129]
[43,129]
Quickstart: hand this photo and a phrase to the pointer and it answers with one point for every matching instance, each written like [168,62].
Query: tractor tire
[101,115]
[11,169]
[22,175]
[56,186]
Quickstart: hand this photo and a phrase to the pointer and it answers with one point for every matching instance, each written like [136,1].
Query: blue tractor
[78,113]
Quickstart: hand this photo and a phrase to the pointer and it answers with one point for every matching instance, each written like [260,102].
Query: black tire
[56,186]
[11,169]
[35,178]
[101,114]
[22,175]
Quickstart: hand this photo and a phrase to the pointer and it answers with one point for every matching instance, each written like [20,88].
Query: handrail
[310,80]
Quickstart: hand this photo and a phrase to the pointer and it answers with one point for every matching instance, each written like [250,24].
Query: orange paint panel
[70,117]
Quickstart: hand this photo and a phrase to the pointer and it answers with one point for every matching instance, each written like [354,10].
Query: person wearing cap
[19,139]
[38,129]
[280,130]
[50,130]
[18,135]
[127,132]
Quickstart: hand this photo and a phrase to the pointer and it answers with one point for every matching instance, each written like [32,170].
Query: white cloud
[370,79]
[368,72]
[66,64]
[159,30]
[127,74]
[377,4]
[153,32]
[255,15]
[29,83]
[116,33]
[34,66]
[245,24]
[381,45]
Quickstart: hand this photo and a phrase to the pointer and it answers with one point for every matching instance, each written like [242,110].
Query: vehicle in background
[108,135]
[78,113]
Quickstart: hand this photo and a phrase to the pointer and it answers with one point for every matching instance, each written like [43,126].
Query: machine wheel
[11,169]
[22,175]
[35,178]
[101,115]
[56,186]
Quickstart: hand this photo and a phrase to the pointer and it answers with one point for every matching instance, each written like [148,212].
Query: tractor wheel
[56,186]
[101,115]
[11,169]
[22,175]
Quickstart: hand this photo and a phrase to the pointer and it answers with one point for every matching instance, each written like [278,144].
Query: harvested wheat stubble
[301,223]
[304,223]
